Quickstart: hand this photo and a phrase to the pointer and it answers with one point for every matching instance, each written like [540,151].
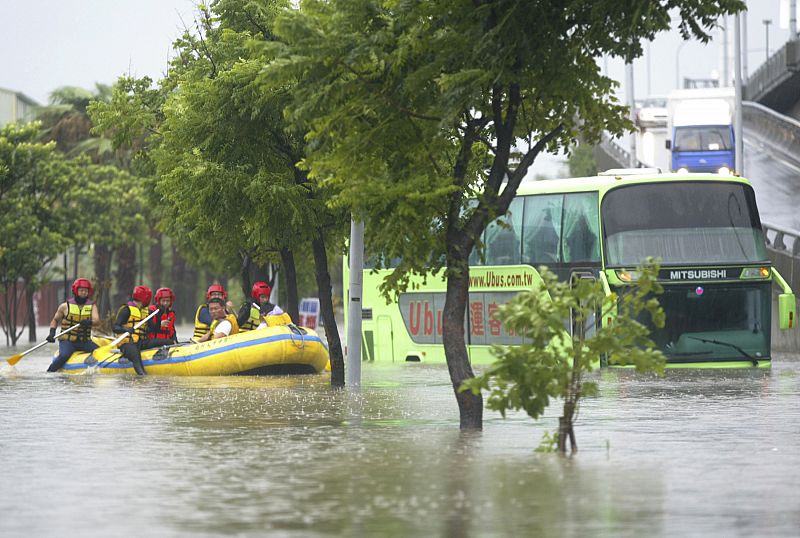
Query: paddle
[106,350]
[16,358]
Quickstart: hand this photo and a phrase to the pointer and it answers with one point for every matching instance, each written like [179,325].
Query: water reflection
[696,452]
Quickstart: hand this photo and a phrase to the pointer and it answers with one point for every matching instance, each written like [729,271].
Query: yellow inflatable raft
[272,350]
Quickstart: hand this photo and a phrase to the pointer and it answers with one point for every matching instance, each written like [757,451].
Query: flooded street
[697,453]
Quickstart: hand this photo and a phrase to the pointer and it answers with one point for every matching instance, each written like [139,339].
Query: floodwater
[696,453]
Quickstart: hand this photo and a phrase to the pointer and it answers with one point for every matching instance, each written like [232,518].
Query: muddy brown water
[696,453]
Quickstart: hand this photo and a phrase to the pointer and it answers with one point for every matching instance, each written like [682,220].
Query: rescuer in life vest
[202,317]
[269,314]
[252,312]
[77,310]
[223,324]
[161,327]
[128,316]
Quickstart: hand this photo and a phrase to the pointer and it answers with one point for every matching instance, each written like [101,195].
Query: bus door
[384,339]
[590,324]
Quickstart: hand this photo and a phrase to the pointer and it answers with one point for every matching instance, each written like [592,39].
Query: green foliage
[38,217]
[551,363]
[581,161]
[218,143]
[413,108]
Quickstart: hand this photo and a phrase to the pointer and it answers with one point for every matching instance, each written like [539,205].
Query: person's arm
[244,314]
[95,316]
[223,329]
[122,319]
[205,337]
[61,312]
[204,316]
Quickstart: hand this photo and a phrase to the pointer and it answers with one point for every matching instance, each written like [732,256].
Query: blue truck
[700,126]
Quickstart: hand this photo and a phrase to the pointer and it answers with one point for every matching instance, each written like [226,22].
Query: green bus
[705,228]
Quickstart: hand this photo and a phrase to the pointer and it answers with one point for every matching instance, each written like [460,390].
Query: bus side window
[502,241]
[503,248]
[581,228]
[541,231]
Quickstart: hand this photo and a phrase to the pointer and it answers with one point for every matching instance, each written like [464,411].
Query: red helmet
[259,289]
[82,283]
[143,294]
[164,292]
[216,288]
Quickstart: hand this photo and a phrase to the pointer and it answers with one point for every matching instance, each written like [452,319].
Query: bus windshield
[682,223]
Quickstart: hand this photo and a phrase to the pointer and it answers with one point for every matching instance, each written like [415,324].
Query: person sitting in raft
[223,324]
[80,310]
[128,316]
[202,317]
[251,312]
[271,314]
[161,327]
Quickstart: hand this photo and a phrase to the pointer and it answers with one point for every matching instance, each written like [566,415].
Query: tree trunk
[75,260]
[566,430]
[470,406]
[31,314]
[184,283]
[287,260]
[126,273]
[102,277]
[155,259]
[265,273]
[8,316]
[326,309]
[244,275]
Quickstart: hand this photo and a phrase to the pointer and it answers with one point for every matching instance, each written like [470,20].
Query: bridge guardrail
[782,239]
[779,67]
[782,132]
[783,245]
[615,151]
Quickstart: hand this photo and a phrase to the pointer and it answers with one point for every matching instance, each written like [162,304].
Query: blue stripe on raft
[202,354]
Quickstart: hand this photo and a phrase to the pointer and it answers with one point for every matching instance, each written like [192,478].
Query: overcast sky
[50,43]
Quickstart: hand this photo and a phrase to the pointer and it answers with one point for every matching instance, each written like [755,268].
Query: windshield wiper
[689,353]
[727,344]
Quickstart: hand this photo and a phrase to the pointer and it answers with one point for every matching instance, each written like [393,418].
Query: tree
[416,109]
[66,122]
[225,157]
[552,363]
[116,201]
[36,214]
[581,161]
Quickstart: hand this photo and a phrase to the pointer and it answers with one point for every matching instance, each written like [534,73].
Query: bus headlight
[682,170]
[755,272]
[724,171]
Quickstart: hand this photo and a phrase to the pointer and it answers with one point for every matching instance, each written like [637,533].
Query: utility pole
[632,104]
[767,22]
[649,88]
[737,83]
[726,80]
[353,366]
[678,65]
[792,19]
[744,45]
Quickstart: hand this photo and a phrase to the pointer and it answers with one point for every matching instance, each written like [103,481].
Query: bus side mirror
[787,311]
[668,144]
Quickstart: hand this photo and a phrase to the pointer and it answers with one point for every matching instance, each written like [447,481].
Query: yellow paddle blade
[15,359]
